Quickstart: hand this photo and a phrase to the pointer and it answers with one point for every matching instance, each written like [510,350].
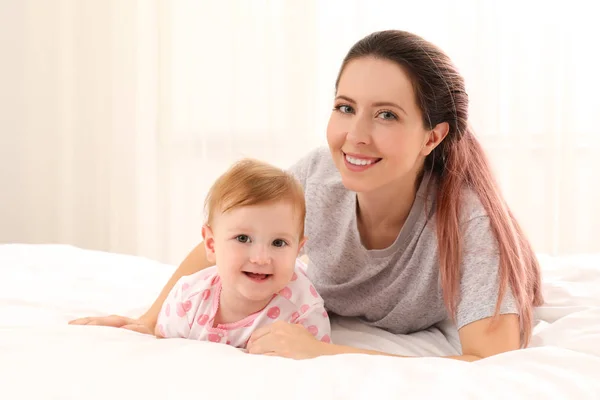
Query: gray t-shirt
[397,288]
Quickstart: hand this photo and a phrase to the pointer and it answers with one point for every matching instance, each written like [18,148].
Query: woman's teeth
[359,161]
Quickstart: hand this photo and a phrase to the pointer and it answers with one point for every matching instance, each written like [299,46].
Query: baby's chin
[266,296]
[258,295]
[259,301]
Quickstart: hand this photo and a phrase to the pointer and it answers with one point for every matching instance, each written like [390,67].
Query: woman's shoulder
[472,207]
[316,165]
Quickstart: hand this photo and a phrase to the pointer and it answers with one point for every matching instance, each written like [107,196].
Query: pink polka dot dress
[190,308]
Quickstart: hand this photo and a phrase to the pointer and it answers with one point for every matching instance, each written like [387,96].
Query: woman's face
[375,132]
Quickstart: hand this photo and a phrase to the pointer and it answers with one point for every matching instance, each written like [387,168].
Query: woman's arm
[195,261]
[478,340]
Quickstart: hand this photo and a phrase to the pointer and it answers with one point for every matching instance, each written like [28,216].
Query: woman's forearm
[333,349]
[194,262]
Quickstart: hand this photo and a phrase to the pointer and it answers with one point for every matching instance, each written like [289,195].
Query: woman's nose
[359,130]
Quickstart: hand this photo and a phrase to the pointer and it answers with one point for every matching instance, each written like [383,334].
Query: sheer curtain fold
[80,146]
[117,116]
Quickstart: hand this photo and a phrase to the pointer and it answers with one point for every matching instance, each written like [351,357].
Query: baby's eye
[279,243]
[243,238]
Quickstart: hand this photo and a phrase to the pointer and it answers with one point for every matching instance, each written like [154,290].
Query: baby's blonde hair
[251,182]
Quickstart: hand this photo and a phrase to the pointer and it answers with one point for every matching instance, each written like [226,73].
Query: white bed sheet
[41,357]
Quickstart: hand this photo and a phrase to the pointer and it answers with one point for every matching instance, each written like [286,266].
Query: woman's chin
[357,184]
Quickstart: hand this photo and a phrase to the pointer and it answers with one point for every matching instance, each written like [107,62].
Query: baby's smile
[256,277]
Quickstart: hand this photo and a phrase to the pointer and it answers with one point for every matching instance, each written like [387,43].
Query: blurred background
[117,115]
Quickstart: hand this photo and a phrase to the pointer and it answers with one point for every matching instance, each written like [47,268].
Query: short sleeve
[479,283]
[316,320]
[177,312]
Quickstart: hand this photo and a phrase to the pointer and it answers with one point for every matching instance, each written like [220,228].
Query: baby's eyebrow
[285,236]
[239,230]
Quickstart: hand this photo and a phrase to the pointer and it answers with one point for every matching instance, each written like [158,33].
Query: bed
[41,357]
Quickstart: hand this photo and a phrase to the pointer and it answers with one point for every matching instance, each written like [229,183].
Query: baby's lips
[257,273]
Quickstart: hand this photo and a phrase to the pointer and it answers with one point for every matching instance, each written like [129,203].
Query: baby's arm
[316,320]
[177,312]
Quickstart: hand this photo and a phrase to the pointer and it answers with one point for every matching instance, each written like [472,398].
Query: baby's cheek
[289,271]
[282,277]
[230,260]
[284,272]
[226,275]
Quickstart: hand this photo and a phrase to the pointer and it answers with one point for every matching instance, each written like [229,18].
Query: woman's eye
[387,115]
[344,109]
[243,238]
[279,243]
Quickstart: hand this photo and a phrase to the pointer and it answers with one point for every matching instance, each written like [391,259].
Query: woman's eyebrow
[377,104]
[389,104]
[345,98]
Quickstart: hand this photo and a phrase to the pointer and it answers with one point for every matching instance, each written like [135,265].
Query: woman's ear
[209,243]
[435,137]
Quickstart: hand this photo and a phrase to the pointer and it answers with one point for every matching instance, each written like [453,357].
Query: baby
[253,233]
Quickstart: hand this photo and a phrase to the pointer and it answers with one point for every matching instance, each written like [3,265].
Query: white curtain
[78,127]
[116,116]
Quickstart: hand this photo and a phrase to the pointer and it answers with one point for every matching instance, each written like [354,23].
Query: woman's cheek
[335,131]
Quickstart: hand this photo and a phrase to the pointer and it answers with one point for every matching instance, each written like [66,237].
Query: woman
[406,224]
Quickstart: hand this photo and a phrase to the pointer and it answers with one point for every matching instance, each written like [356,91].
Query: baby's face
[256,248]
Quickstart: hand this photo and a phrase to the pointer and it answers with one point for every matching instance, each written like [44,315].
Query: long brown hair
[459,162]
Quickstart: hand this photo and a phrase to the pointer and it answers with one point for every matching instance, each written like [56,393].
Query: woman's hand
[117,321]
[286,340]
